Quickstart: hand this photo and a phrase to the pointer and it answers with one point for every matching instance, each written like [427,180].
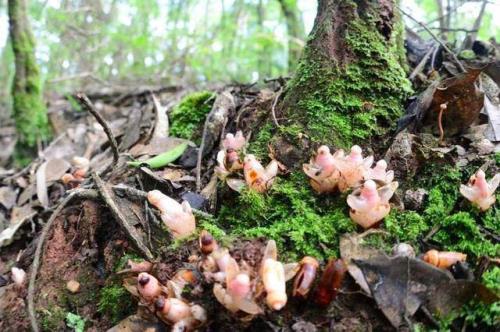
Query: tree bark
[350,84]
[295,29]
[29,110]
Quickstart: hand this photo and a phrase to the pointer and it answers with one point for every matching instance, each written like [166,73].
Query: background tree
[295,29]
[29,110]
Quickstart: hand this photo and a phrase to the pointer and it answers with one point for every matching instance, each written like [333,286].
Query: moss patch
[190,115]
[53,319]
[300,222]
[115,302]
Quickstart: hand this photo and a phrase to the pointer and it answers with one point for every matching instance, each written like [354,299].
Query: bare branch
[435,38]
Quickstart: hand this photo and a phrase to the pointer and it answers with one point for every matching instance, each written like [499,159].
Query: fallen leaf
[55,169]
[8,197]
[156,146]
[136,323]
[493,112]
[401,285]
[352,247]
[133,130]
[164,158]
[18,216]
[464,102]
[173,174]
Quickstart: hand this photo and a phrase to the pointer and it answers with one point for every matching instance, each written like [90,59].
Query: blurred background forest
[108,43]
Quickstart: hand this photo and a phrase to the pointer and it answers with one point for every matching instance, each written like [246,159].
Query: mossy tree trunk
[29,110]
[295,29]
[350,83]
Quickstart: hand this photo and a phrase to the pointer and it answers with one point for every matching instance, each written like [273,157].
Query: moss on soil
[115,301]
[190,115]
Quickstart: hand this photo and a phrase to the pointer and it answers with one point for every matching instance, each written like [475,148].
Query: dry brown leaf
[8,197]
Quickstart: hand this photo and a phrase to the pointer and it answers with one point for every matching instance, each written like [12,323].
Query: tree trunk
[29,110]
[295,29]
[350,84]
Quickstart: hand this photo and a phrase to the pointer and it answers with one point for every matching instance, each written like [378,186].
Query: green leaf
[163,158]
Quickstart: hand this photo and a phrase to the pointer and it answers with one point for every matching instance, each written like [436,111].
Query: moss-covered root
[30,112]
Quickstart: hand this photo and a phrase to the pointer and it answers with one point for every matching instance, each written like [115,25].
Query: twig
[130,231]
[78,193]
[442,108]
[421,64]
[469,38]
[436,38]
[273,108]
[85,101]
[433,231]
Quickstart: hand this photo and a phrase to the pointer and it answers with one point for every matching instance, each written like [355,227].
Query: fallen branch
[436,38]
[85,101]
[78,193]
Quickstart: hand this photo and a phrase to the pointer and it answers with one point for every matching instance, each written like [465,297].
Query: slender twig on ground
[421,64]
[85,101]
[78,193]
[273,108]
[436,38]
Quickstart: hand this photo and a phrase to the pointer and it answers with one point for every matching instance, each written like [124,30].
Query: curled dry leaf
[401,285]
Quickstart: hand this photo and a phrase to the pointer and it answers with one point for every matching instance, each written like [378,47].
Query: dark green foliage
[115,302]
[190,114]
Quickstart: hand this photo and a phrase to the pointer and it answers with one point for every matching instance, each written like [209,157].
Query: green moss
[300,222]
[341,105]
[407,226]
[122,262]
[480,316]
[52,319]
[190,115]
[115,302]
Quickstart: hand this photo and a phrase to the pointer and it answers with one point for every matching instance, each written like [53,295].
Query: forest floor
[87,230]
